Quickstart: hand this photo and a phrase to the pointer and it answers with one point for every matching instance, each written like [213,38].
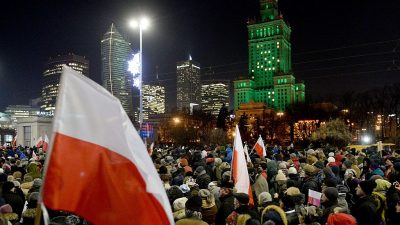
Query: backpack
[381,206]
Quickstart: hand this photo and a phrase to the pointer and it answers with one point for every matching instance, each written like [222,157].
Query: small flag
[239,168]
[97,165]
[39,142]
[34,156]
[14,142]
[151,148]
[314,197]
[260,147]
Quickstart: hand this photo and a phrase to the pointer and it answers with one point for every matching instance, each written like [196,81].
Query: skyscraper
[153,100]
[51,77]
[271,79]
[187,84]
[214,93]
[115,53]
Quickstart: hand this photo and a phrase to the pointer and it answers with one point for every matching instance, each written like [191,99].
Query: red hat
[341,219]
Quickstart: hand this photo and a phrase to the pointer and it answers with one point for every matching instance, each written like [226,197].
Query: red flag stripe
[98,189]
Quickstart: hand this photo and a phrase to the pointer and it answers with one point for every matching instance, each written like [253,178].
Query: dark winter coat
[309,183]
[225,209]
[365,212]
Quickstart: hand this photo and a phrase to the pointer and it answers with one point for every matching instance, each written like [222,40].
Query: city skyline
[331,42]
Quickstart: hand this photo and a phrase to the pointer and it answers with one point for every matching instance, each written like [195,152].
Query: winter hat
[198,170]
[207,197]
[310,152]
[280,176]
[7,186]
[341,219]
[275,214]
[382,185]
[331,154]
[282,166]
[331,160]
[243,198]
[319,164]
[17,183]
[6,209]
[179,203]
[292,170]
[367,186]
[163,170]
[184,188]
[37,183]
[396,166]
[293,191]
[309,170]
[193,203]
[264,197]
[169,159]
[331,194]
[348,164]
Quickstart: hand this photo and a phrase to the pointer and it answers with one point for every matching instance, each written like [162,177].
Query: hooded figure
[208,206]
[202,178]
[193,212]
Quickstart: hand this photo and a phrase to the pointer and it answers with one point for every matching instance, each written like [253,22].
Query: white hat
[331,160]
[331,154]
[292,170]
[310,151]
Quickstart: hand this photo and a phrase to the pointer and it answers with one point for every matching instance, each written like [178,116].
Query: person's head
[389,162]
[330,194]
[365,188]
[241,199]
[193,207]
[226,188]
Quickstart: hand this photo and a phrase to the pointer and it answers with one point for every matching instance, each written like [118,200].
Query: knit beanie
[309,170]
[264,197]
[280,176]
[331,194]
[292,170]
[293,191]
[179,203]
[341,219]
[331,160]
[367,186]
[194,203]
[382,185]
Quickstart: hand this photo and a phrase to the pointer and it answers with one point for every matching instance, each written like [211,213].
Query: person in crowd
[208,206]
[364,209]
[193,214]
[241,203]
[227,203]
[329,201]
[309,182]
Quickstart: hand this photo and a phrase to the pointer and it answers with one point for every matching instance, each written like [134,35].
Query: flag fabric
[239,168]
[314,197]
[39,142]
[45,143]
[151,148]
[14,142]
[260,147]
[34,155]
[98,167]
[246,152]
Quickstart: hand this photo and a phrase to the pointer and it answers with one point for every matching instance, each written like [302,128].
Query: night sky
[337,46]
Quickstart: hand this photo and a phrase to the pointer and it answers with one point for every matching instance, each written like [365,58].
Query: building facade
[214,94]
[271,79]
[31,128]
[153,100]
[188,86]
[115,53]
[52,74]
[16,112]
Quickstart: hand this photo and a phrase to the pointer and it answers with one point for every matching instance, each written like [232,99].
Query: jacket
[365,212]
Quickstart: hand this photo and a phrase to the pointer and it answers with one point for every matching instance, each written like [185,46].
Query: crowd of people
[356,187]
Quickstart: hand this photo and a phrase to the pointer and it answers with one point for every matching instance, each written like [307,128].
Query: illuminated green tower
[271,79]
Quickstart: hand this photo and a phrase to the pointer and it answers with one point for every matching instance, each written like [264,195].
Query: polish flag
[314,197]
[151,148]
[260,147]
[34,156]
[98,167]
[45,143]
[246,152]
[14,142]
[239,168]
[39,142]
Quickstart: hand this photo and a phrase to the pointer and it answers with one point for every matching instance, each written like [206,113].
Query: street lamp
[143,24]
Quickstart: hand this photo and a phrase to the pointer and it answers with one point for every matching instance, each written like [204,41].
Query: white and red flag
[246,152]
[239,168]
[314,197]
[34,156]
[260,147]
[98,167]
[39,142]
[14,142]
[45,143]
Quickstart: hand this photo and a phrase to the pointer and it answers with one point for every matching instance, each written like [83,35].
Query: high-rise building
[271,79]
[115,53]
[188,86]
[51,77]
[153,100]
[214,94]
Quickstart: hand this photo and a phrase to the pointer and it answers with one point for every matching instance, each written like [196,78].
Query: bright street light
[143,24]
[366,139]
